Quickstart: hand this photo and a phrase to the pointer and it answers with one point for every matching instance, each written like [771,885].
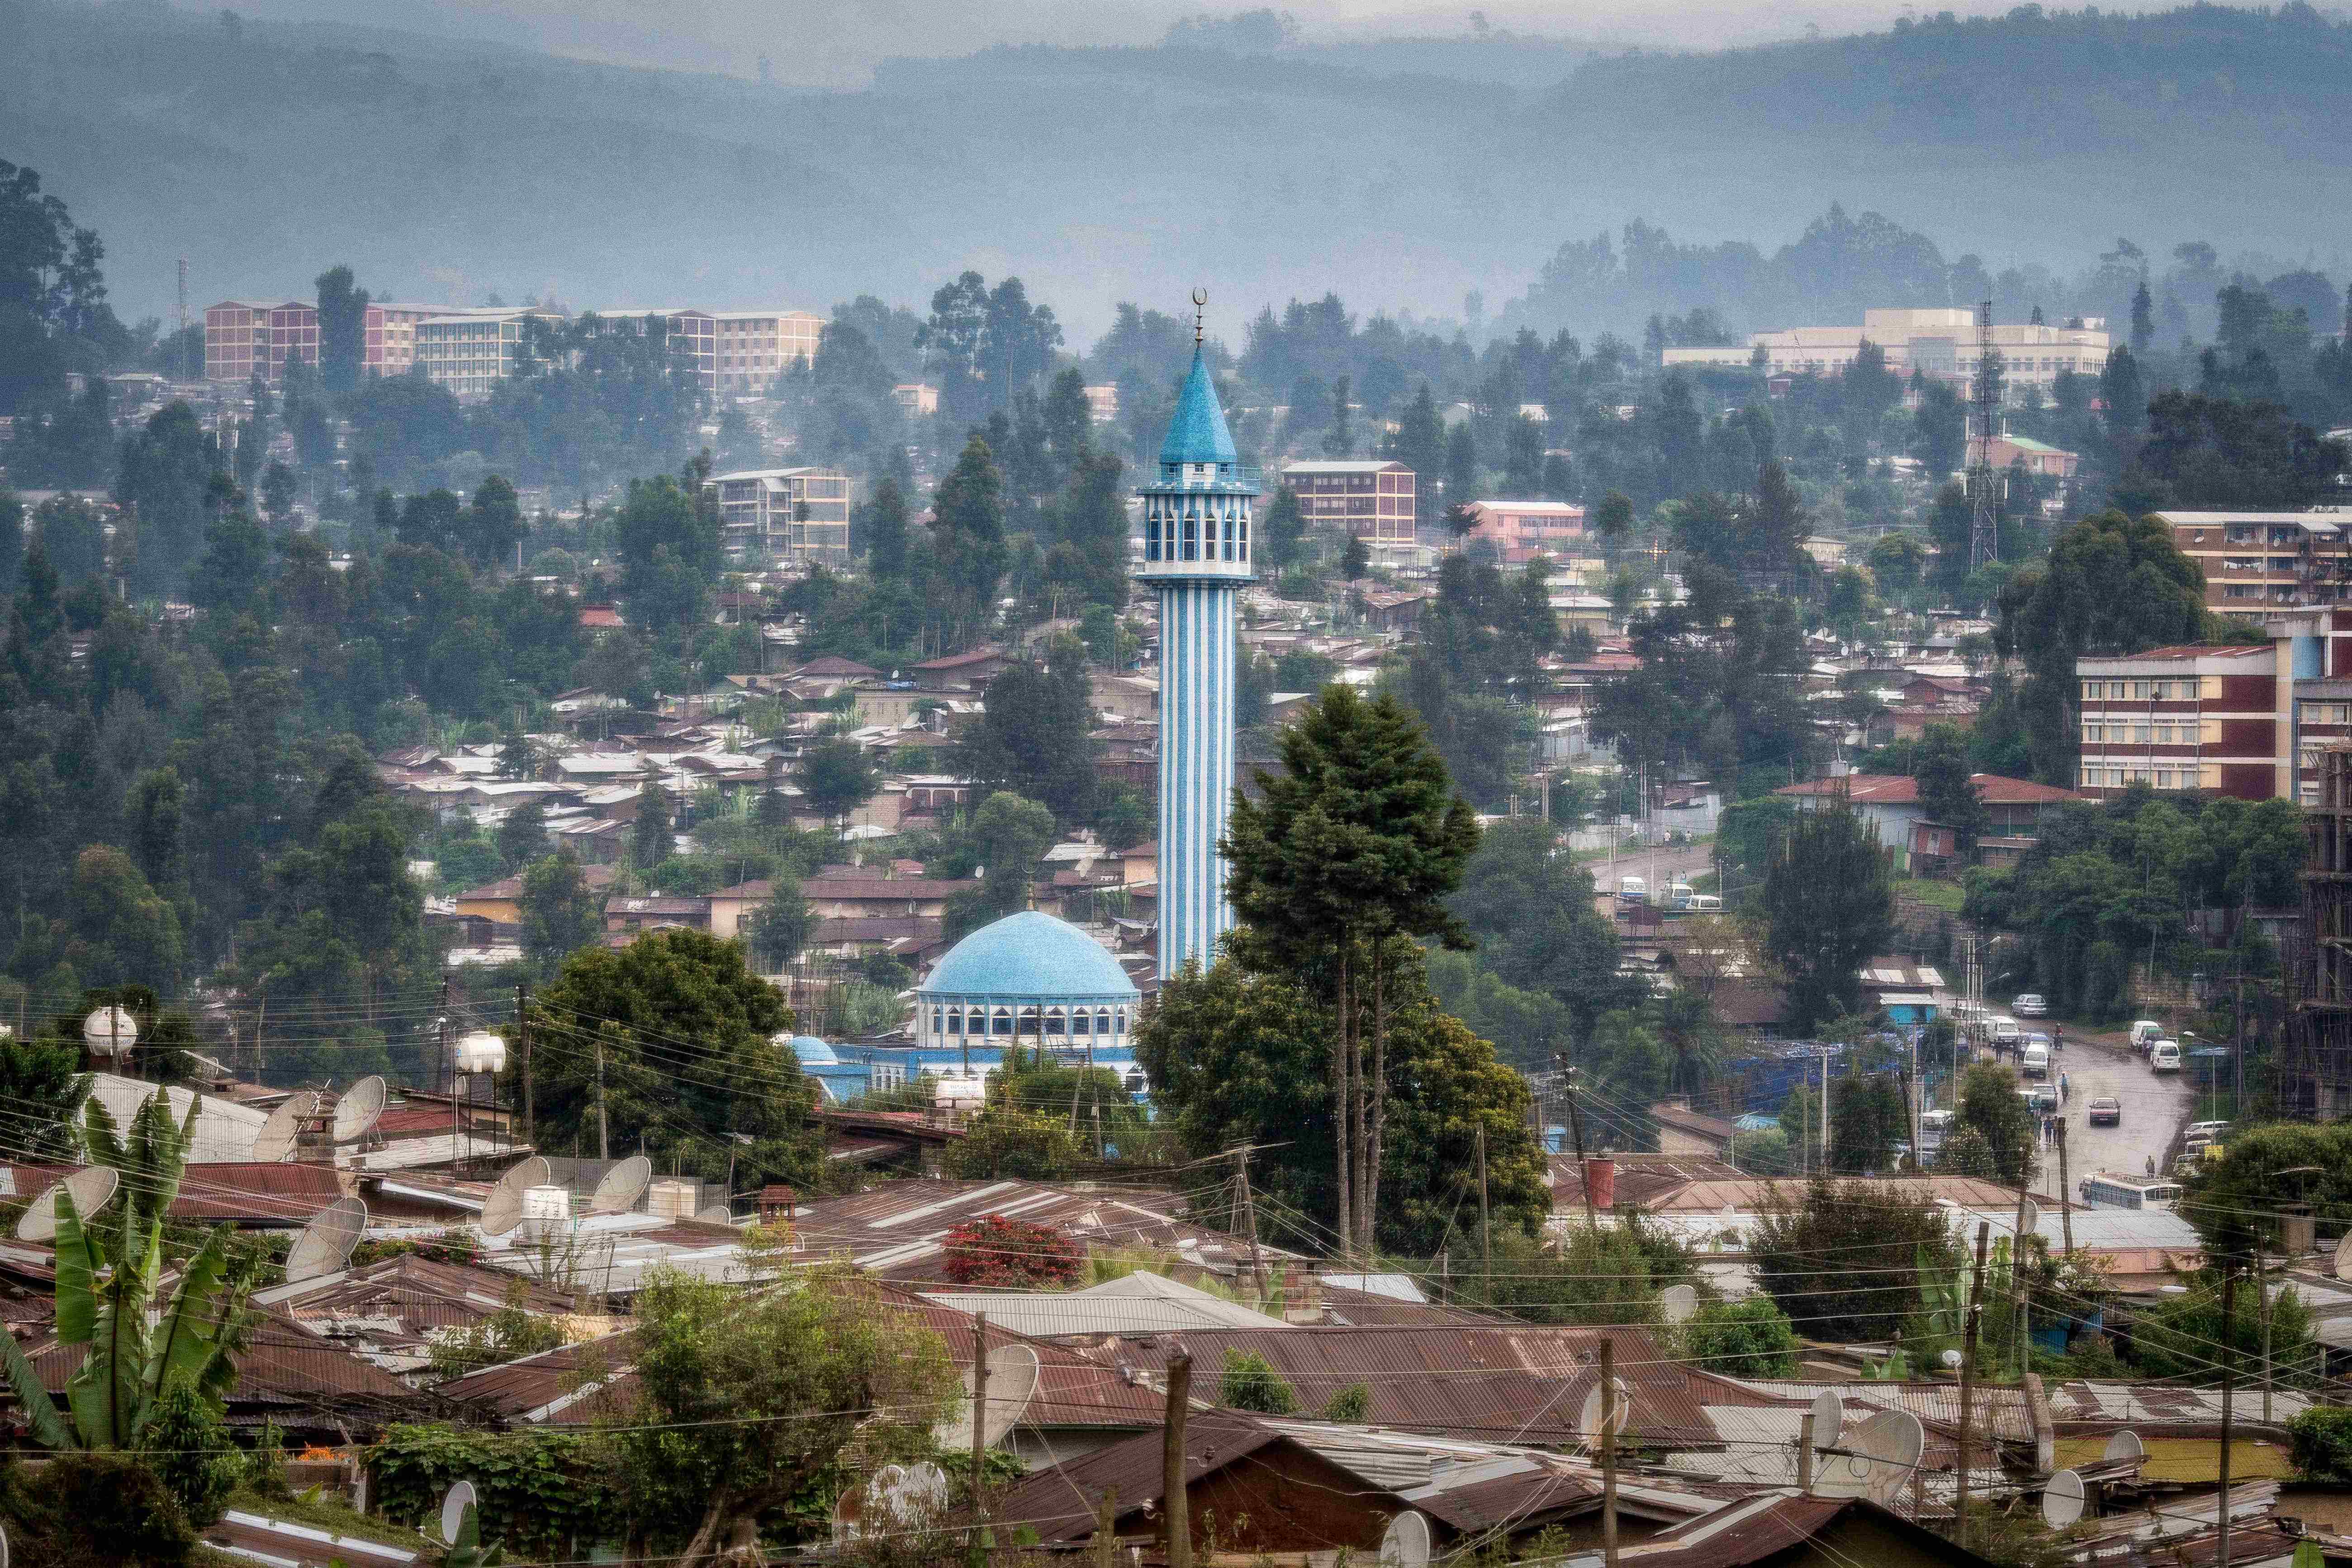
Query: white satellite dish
[92,1188]
[357,1111]
[2125,1445]
[2061,1500]
[921,1494]
[1679,1302]
[1012,1373]
[110,1032]
[714,1214]
[1587,1419]
[1829,1418]
[2343,1256]
[622,1185]
[1405,1544]
[276,1140]
[502,1210]
[453,1510]
[1874,1462]
[2029,1221]
[326,1243]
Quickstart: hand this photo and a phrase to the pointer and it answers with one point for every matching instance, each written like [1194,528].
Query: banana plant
[107,1298]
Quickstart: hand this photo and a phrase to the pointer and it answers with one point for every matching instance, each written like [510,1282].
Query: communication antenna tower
[186,373]
[1984,529]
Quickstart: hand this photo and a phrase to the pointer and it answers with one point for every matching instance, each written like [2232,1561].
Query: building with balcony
[1520,531]
[784,514]
[753,347]
[1372,500]
[1937,341]
[244,338]
[2256,562]
[470,352]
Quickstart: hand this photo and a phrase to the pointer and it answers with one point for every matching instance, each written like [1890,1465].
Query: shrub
[2322,1436]
[1251,1383]
[1011,1253]
[115,1509]
[1844,1260]
[1750,1338]
[1351,1403]
[194,1457]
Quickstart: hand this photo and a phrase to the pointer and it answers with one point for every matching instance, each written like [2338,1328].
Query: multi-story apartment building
[756,346]
[784,514]
[2246,719]
[1937,342]
[471,350]
[1522,530]
[916,400]
[2257,562]
[245,336]
[1372,500]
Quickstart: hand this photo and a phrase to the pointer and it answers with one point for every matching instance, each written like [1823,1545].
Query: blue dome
[1030,956]
[812,1052]
[1198,433]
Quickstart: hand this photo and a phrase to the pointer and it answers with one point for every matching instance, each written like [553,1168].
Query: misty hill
[1401,177]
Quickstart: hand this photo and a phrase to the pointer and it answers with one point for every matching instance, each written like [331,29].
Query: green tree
[75,537]
[836,777]
[1032,736]
[1828,905]
[2183,1338]
[1749,1338]
[1612,1275]
[493,525]
[1007,837]
[968,544]
[1843,1258]
[1420,445]
[745,1402]
[1897,560]
[781,926]
[649,837]
[11,540]
[2234,1201]
[1990,1108]
[668,536]
[163,479]
[342,329]
[44,1093]
[609,1029]
[1948,793]
[122,930]
[1281,531]
[1009,1141]
[561,913]
[522,837]
[1357,844]
[1250,1382]
[886,532]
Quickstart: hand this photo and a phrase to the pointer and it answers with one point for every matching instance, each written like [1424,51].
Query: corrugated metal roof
[1136,1304]
[2096,1405]
[285,1363]
[286,1544]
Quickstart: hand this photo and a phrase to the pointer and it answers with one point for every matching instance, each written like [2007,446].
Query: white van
[2005,1031]
[1632,891]
[2164,1057]
[2146,1033]
[1705,904]
[2034,1059]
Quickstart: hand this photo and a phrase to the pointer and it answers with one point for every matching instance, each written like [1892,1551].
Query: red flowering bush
[1011,1253]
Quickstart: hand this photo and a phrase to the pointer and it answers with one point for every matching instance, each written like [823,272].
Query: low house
[969,671]
[632,917]
[1909,991]
[1681,1130]
[1890,803]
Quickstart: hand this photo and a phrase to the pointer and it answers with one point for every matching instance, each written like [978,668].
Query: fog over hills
[1404,179]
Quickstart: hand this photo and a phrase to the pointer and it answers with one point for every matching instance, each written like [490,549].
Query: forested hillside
[1406,178]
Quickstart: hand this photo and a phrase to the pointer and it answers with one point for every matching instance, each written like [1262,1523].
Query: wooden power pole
[1176,1514]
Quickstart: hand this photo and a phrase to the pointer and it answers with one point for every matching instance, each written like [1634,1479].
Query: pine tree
[1828,905]
[649,840]
[1420,445]
[886,532]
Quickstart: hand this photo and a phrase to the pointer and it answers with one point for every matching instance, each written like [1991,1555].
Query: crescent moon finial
[1200,301]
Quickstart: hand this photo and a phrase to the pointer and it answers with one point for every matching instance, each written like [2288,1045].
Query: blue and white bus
[2106,1190]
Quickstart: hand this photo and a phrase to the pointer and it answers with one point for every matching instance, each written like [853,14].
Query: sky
[836,43]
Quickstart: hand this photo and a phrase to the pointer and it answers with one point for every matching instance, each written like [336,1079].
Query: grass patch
[332,1514]
[1946,896]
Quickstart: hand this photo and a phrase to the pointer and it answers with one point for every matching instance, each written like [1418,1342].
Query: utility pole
[1576,1130]
[1968,1382]
[2065,1190]
[1249,1216]
[1825,1110]
[450,1052]
[1486,1230]
[2017,1282]
[1608,1452]
[1175,1513]
[603,1122]
[522,1049]
[978,1430]
[2262,1299]
[185,375]
[2229,1364]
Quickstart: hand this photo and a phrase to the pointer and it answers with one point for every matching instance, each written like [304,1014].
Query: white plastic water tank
[482,1051]
[110,1032]
[673,1197]
[546,1203]
[952,1091]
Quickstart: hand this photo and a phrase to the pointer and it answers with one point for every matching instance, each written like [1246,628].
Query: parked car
[2043,1099]
[2029,1006]
[2146,1033]
[2164,1057]
[2005,1032]
[2033,1059]
[2204,1132]
[1935,1121]
[2106,1111]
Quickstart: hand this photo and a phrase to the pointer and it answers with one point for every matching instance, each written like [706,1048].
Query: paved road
[1656,866]
[2154,1107]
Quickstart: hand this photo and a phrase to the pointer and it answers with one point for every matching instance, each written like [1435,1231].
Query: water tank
[548,1203]
[673,1197]
[110,1032]
[482,1051]
[952,1092]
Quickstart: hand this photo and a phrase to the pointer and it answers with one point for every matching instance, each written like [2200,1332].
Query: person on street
[2058,1037]
[2062,1089]
[2151,1164]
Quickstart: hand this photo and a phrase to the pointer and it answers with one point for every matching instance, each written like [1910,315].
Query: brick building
[1372,500]
[2258,562]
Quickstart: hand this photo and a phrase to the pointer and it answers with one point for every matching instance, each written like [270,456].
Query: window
[890,1075]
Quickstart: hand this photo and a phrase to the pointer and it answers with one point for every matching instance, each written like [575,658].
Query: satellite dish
[849,1511]
[275,1140]
[2029,1220]
[2125,1445]
[622,1185]
[906,1495]
[2343,1256]
[326,1243]
[110,1032]
[1829,1418]
[709,1214]
[2061,1500]
[1588,1420]
[502,1210]
[1012,1373]
[453,1510]
[357,1110]
[1405,1543]
[1678,1302]
[92,1188]
[1875,1462]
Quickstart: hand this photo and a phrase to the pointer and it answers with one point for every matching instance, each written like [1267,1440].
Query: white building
[784,514]
[1940,342]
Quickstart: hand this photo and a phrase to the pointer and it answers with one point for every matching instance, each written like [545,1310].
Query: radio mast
[1984,527]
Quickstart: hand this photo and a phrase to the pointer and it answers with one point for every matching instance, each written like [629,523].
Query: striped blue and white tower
[1196,556]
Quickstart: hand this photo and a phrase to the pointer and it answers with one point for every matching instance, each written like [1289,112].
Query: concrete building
[468,352]
[754,347]
[2257,562]
[1102,403]
[1372,500]
[1196,555]
[2243,720]
[784,514]
[245,336]
[1522,530]
[2015,808]
[1937,342]
[916,401]
[1031,980]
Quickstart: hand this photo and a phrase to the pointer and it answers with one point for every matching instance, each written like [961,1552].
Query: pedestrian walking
[2062,1089]
[2058,1037]
[2151,1164]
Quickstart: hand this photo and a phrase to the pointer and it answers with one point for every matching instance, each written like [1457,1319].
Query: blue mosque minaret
[1196,556]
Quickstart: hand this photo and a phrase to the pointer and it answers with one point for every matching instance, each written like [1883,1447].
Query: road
[1656,866]
[2154,1107]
